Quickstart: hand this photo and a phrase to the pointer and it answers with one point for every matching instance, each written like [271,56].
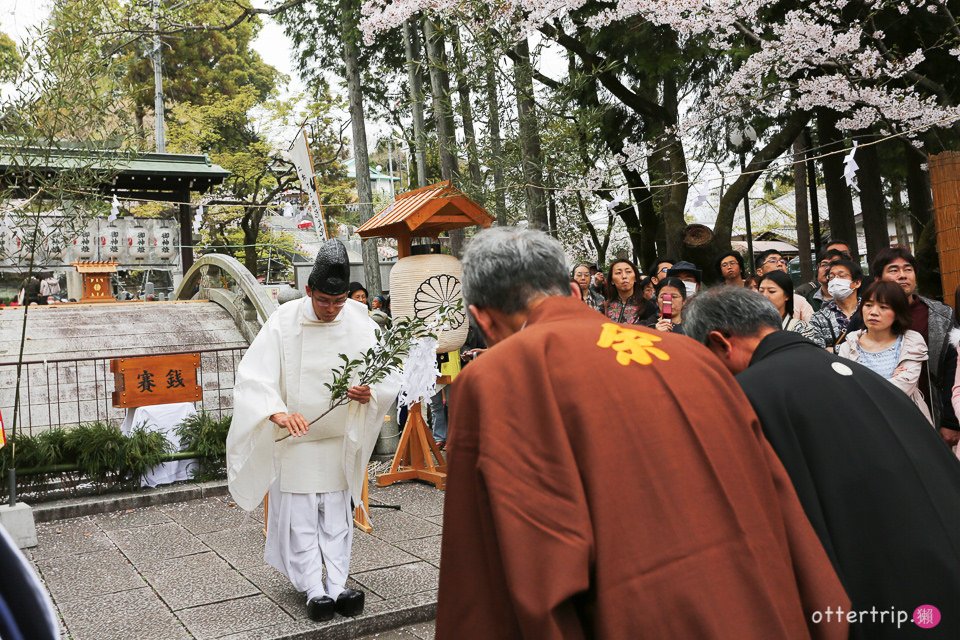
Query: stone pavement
[195,569]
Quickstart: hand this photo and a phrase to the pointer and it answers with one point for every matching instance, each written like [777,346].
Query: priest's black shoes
[350,602]
[322,609]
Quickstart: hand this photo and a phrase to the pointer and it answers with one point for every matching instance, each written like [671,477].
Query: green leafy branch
[386,357]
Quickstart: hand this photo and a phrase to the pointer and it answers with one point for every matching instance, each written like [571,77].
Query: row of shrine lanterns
[138,244]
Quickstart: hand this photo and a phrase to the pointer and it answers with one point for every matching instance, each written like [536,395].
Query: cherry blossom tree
[884,67]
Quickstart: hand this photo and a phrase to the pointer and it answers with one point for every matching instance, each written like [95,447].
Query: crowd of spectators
[877,319]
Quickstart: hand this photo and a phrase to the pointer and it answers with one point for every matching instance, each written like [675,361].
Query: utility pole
[393,192]
[158,82]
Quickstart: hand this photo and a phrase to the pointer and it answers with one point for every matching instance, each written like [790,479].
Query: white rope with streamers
[419,380]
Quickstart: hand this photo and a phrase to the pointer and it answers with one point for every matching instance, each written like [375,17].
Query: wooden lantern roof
[426,212]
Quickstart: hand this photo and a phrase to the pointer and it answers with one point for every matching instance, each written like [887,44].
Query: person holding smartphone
[671,294]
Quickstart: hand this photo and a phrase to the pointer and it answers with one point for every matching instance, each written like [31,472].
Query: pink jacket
[955,396]
[913,353]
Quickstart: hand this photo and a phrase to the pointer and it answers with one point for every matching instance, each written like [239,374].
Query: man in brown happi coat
[611,481]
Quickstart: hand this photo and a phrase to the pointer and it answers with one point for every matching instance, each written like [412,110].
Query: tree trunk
[924,226]
[736,192]
[674,221]
[349,21]
[250,225]
[641,235]
[599,245]
[529,131]
[919,193]
[411,42]
[873,208]
[839,203]
[443,114]
[551,207]
[466,114]
[800,199]
[496,154]
[899,212]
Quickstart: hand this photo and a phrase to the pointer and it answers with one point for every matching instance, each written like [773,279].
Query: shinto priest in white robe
[311,479]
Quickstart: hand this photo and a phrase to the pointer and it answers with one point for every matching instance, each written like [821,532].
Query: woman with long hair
[777,287]
[625,303]
[887,345]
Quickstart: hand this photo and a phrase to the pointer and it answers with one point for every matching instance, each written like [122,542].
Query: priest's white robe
[284,370]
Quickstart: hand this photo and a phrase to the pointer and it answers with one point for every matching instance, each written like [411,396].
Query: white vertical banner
[299,155]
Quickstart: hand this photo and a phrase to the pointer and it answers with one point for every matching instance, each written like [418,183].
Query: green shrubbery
[207,437]
[98,453]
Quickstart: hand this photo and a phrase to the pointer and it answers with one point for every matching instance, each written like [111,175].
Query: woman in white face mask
[829,325]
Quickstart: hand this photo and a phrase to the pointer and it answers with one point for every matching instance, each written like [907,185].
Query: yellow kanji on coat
[631,345]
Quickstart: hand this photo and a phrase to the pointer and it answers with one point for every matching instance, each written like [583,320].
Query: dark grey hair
[504,268]
[733,311]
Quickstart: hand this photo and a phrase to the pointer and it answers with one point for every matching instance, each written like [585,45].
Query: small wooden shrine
[96,280]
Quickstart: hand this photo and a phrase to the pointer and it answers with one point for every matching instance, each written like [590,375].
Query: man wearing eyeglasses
[659,267]
[315,477]
[772,260]
[809,289]
[820,295]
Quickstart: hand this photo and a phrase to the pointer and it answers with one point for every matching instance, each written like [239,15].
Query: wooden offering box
[150,380]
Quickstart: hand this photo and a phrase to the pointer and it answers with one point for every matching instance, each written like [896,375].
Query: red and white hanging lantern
[137,243]
[110,242]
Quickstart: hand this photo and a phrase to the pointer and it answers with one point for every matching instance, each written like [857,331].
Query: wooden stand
[415,455]
[266,512]
[361,517]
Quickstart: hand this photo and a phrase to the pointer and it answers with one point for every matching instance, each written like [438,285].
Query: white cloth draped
[164,419]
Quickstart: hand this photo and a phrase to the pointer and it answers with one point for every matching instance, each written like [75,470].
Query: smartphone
[667,312]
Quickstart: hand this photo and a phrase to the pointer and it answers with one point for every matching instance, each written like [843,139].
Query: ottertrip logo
[926,616]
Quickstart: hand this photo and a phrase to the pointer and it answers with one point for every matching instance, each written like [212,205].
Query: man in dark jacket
[880,488]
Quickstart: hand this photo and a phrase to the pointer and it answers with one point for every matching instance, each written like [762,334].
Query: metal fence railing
[65,392]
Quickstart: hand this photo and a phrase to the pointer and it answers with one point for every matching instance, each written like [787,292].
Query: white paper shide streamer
[850,167]
[419,380]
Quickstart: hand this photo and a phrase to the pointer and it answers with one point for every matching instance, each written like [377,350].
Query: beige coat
[913,353]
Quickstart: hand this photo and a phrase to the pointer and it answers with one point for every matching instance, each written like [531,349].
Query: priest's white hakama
[311,479]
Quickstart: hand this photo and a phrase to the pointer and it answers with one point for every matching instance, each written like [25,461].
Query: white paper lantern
[419,285]
[137,242]
[55,245]
[84,244]
[111,242]
[164,243]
